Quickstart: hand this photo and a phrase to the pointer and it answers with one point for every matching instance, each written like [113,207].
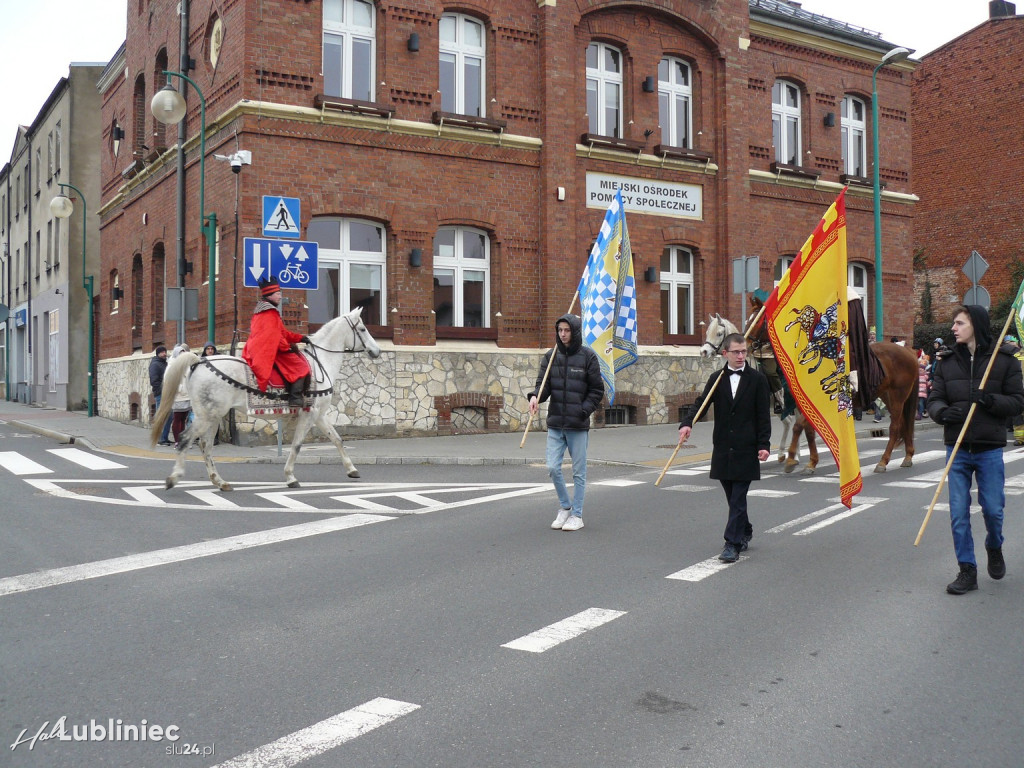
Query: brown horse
[897,389]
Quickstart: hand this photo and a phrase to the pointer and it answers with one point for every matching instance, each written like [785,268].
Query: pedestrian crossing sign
[280,216]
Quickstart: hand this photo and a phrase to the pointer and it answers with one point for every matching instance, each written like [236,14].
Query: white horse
[219,383]
[714,337]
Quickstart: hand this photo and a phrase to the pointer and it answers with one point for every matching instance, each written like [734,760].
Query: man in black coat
[157,367]
[956,384]
[575,389]
[741,439]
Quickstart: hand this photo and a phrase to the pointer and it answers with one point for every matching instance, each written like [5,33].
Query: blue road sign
[293,263]
[281,216]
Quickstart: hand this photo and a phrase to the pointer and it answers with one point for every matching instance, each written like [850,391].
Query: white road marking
[287,501]
[767,493]
[703,569]
[618,483]
[326,735]
[806,518]
[85,459]
[690,488]
[909,484]
[17,464]
[54,576]
[365,504]
[574,626]
[215,499]
[834,519]
[145,496]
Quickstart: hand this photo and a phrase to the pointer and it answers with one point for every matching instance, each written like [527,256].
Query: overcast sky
[40,38]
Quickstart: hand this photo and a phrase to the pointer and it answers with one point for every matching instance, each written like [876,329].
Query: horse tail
[176,370]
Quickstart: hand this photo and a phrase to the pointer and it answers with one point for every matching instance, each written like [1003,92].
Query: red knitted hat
[269,286]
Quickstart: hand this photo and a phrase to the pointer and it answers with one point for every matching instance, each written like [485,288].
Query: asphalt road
[427,616]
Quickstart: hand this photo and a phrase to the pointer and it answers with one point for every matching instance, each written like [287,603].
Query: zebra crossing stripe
[834,519]
[566,629]
[323,736]
[85,459]
[50,578]
[702,570]
[17,464]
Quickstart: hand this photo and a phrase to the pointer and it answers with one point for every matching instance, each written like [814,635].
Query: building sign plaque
[650,196]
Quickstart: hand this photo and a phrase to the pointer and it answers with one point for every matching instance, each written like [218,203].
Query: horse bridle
[357,333]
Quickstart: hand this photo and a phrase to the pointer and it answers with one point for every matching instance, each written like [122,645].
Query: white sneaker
[563,515]
[573,524]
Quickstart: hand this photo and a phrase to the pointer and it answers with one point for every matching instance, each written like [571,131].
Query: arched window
[136,301]
[462,272]
[115,291]
[352,257]
[677,290]
[160,130]
[853,131]
[786,122]
[674,97]
[604,89]
[462,64]
[158,282]
[349,49]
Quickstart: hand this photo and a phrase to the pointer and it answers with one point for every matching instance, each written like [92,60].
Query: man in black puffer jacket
[575,390]
[956,385]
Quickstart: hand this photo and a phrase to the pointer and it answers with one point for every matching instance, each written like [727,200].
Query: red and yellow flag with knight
[808,323]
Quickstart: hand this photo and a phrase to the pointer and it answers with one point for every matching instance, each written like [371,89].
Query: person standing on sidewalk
[955,385]
[575,389]
[741,439]
[157,367]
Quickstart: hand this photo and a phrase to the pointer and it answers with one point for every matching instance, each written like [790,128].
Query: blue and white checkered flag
[608,297]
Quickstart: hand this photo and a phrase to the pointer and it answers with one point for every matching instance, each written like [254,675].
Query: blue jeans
[167,424]
[575,441]
[987,467]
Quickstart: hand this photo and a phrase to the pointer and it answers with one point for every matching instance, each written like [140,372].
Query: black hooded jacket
[157,366]
[574,386]
[957,373]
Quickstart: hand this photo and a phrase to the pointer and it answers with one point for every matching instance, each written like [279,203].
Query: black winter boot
[295,390]
[996,563]
[965,581]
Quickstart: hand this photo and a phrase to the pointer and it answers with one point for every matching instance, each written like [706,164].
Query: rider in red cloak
[271,345]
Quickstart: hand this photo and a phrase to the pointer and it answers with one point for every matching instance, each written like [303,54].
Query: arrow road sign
[280,216]
[294,263]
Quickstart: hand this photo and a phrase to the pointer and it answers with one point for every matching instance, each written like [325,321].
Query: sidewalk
[644,446]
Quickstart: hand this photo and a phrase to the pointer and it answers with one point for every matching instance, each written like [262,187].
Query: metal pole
[877,204]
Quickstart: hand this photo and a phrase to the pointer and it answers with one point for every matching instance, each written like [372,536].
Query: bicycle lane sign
[294,263]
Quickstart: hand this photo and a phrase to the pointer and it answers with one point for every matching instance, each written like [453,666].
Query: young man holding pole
[975,389]
[741,439]
[570,378]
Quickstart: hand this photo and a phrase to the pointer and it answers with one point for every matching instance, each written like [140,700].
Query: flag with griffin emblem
[608,297]
[808,323]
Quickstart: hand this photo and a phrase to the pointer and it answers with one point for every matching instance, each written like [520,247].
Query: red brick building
[452,162]
[968,157]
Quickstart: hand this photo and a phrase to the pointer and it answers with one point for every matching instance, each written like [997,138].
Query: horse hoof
[907,463]
[227,487]
[354,473]
[293,484]
[782,458]
[808,471]
[790,466]
[879,468]
[169,483]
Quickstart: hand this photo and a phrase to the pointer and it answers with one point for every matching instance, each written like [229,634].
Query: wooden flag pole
[711,392]
[544,381]
[963,429]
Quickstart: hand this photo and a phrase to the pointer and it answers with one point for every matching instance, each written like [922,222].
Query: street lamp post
[62,207]
[168,106]
[896,54]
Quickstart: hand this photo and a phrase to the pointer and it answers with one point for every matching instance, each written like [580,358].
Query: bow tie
[735,372]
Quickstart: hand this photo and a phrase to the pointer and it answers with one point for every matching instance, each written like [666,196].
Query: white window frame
[672,280]
[852,270]
[783,264]
[463,54]
[601,84]
[345,257]
[786,114]
[853,134]
[348,33]
[458,264]
[671,93]
[53,348]
[115,283]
